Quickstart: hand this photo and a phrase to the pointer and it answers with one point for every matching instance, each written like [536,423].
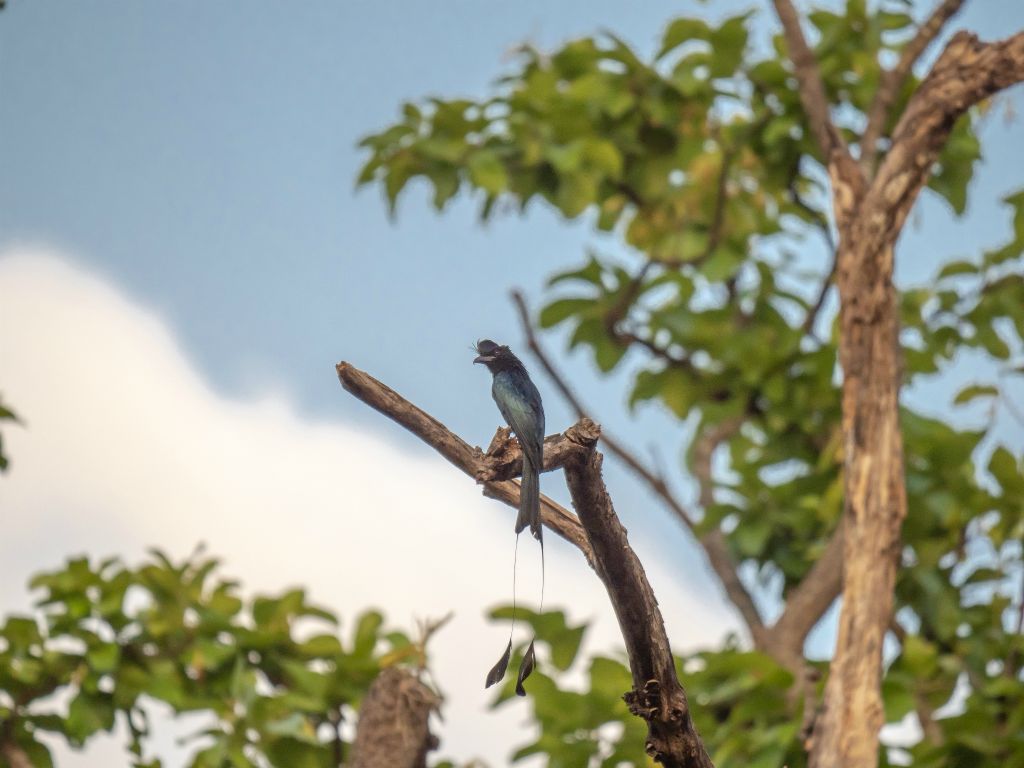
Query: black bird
[520,405]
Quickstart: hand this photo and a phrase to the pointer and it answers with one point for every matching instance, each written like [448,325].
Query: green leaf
[919,656]
[591,273]
[1005,469]
[297,754]
[722,265]
[549,627]
[958,268]
[104,657]
[974,391]
[603,156]
[21,632]
[891,21]
[321,645]
[751,536]
[87,714]
[487,172]
[728,44]
[366,633]
[608,353]
[683,30]
[446,185]
[296,726]
[956,165]
[989,338]
[678,392]
[561,310]
[576,191]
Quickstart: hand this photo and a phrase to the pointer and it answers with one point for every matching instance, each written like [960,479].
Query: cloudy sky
[183,259]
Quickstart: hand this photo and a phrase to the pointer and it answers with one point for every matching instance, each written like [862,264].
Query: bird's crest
[488,347]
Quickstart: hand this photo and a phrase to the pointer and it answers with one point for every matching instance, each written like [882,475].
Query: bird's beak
[482,359]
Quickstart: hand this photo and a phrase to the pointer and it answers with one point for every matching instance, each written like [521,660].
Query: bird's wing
[520,405]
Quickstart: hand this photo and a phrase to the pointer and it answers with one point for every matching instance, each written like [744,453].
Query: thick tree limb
[470,460]
[967,72]
[893,80]
[812,90]
[393,727]
[657,695]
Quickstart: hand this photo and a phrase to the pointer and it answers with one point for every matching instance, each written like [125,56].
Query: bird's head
[494,356]
[487,351]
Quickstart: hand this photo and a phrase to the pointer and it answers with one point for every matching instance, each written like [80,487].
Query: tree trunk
[846,736]
[393,727]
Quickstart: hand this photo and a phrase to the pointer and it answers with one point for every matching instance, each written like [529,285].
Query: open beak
[482,359]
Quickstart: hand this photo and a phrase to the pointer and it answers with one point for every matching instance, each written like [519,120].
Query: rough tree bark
[393,727]
[657,696]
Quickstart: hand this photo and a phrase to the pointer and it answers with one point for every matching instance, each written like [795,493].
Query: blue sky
[199,157]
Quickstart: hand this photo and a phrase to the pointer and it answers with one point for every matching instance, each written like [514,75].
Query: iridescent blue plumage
[520,405]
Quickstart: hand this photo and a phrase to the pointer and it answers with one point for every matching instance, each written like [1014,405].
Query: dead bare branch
[470,460]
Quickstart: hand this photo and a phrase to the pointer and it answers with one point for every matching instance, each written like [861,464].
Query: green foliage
[6,414]
[742,709]
[740,702]
[273,675]
[701,161]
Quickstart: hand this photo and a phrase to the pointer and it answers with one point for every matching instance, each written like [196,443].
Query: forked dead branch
[657,696]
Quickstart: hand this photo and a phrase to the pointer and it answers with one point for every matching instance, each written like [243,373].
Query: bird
[520,405]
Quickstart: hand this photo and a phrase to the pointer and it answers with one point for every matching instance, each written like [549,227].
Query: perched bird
[520,405]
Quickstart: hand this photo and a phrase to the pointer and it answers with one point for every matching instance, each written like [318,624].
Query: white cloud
[127,447]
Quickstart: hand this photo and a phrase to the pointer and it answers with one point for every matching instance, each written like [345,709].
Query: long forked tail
[529,500]
[529,515]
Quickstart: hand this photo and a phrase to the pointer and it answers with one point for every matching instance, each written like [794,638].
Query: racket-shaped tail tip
[498,670]
[525,668]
